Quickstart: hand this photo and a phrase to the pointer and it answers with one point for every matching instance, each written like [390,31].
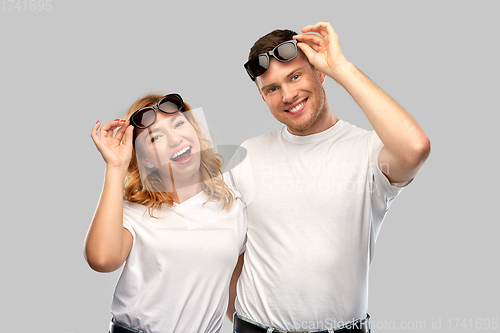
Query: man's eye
[295,77]
[271,90]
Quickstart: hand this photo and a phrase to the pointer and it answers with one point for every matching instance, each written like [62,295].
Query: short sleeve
[239,176]
[243,246]
[128,213]
[382,191]
[244,220]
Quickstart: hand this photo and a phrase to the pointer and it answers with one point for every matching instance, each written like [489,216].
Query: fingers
[119,133]
[314,41]
[308,51]
[108,129]
[322,28]
[93,133]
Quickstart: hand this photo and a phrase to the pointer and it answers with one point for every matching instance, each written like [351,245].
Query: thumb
[308,51]
[129,134]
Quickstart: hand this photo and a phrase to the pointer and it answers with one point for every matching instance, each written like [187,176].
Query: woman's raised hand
[115,153]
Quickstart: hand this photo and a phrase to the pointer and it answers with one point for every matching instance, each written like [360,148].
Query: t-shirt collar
[302,139]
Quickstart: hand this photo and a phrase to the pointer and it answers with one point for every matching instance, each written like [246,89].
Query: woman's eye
[155,138]
[179,123]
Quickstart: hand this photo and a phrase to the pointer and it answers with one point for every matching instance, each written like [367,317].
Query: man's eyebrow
[292,73]
[266,86]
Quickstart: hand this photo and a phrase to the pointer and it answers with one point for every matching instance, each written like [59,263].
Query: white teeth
[296,108]
[180,152]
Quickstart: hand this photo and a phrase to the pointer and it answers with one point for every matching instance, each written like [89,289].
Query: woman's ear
[147,163]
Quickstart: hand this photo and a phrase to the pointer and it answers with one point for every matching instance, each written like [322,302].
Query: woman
[165,212]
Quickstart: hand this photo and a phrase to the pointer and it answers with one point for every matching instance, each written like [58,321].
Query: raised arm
[406,146]
[108,243]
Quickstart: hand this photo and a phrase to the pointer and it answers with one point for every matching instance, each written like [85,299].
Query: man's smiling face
[294,93]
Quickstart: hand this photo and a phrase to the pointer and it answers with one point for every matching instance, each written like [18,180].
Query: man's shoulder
[351,132]
[254,146]
[262,140]
[353,129]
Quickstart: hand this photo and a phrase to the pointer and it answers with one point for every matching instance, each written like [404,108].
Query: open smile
[297,107]
[183,155]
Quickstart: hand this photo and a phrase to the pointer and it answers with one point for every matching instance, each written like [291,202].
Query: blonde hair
[211,163]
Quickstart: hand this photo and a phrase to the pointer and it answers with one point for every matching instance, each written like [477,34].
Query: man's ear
[321,76]
[260,92]
[258,89]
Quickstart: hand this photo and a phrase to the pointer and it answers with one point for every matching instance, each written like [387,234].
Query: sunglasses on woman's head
[284,52]
[145,117]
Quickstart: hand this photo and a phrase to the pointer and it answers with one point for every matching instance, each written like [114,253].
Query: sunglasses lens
[170,104]
[144,117]
[286,51]
[258,65]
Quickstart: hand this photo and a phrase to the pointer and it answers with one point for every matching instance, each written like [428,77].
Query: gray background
[435,266]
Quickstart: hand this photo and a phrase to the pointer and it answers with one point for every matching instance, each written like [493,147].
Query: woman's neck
[183,193]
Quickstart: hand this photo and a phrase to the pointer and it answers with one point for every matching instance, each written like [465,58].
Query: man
[318,189]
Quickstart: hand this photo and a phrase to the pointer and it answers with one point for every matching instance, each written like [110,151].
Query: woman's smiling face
[171,147]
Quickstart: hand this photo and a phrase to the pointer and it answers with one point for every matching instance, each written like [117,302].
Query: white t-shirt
[176,277]
[315,206]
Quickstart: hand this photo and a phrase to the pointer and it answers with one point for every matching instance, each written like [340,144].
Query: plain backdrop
[435,265]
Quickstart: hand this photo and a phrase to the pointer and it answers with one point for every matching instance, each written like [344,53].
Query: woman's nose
[173,140]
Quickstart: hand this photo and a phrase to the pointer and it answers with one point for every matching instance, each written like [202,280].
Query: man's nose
[288,94]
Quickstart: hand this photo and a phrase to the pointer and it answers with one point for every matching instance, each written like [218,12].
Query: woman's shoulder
[132,205]
[133,210]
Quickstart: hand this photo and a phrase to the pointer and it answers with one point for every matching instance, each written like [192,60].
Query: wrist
[341,71]
[116,172]
[347,75]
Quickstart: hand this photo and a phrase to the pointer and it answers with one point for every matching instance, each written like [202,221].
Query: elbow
[419,152]
[424,149]
[102,264]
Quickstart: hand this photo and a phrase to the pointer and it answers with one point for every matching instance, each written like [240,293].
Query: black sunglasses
[145,117]
[283,52]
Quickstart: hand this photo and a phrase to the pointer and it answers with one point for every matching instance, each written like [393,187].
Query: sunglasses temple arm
[154,147]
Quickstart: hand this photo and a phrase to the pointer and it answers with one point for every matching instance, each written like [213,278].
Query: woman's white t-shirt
[176,277]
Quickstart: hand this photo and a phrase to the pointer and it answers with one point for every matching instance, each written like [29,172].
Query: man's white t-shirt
[315,206]
[176,277]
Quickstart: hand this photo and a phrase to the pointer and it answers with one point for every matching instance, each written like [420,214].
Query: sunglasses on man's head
[145,117]
[284,52]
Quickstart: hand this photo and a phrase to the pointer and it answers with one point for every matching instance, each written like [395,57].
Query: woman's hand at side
[108,243]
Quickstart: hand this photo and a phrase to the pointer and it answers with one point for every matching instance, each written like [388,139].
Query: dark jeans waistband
[246,325]
[116,327]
